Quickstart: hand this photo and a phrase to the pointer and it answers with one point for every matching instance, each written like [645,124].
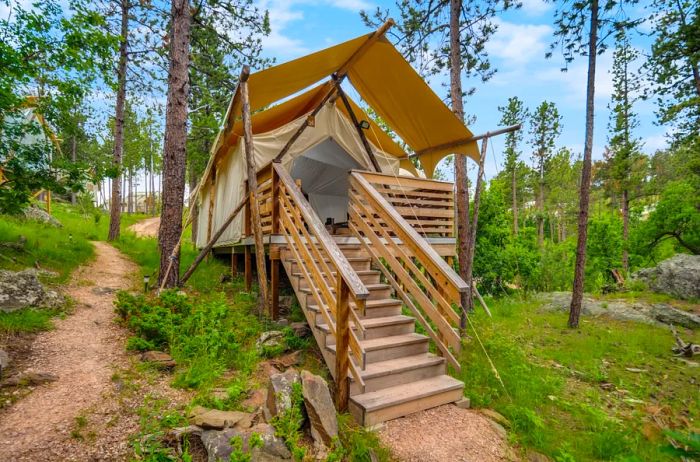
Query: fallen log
[684,349]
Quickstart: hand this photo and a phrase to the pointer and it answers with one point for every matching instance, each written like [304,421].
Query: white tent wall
[231,175]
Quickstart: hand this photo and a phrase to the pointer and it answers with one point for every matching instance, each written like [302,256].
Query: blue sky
[517,52]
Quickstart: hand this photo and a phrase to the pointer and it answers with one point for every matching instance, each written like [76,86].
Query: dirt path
[446,433]
[146,228]
[82,415]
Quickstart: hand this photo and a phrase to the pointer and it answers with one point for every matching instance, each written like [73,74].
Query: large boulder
[259,441]
[22,289]
[280,391]
[216,419]
[678,276]
[319,407]
[38,214]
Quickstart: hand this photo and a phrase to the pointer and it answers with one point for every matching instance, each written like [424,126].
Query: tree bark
[540,205]
[514,187]
[625,230]
[174,153]
[115,206]
[461,180]
[130,200]
[579,270]
[73,157]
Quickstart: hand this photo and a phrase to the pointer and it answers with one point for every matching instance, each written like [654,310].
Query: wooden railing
[428,286]
[265,197]
[427,205]
[331,279]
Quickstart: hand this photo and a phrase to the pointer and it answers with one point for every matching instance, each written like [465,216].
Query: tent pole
[360,130]
[454,144]
[253,203]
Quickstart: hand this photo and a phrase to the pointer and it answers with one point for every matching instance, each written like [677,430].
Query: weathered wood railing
[427,205]
[331,279]
[424,281]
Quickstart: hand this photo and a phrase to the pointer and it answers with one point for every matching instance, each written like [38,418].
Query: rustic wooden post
[248,263]
[210,212]
[234,263]
[275,256]
[342,343]
[253,203]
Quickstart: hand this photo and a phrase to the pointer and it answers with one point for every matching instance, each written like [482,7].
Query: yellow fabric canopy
[383,79]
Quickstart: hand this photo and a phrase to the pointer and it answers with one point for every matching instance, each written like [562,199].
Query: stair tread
[369,323]
[359,273]
[293,260]
[388,342]
[396,365]
[368,303]
[307,290]
[392,396]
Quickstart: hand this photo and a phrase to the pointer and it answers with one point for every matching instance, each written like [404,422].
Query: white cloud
[535,7]
[352,5]
[518,44]
[654,143]
[573,82]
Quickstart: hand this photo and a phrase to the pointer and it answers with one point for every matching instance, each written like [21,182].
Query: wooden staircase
[400,376]
[354,295]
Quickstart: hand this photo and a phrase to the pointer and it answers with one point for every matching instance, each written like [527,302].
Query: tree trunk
[195,209]
[625,230]
[540,206]
[514,187]
[462,187]
[115,205]
[130,203]
[473,228]
[579,270]
[73,157]
[174,154]
[153,189]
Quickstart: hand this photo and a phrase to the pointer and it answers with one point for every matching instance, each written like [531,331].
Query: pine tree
[545,128]
[623,145]
[513,113]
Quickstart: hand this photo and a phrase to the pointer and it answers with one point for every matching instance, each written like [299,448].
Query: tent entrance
[324,174]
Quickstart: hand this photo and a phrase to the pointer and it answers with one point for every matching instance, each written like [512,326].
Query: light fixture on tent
[363,124]
[311,121]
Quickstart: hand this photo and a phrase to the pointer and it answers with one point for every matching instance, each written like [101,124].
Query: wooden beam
[203,253]
[210,212]
[253,203]
[337,79]
[234,263]
[454,144]
[360,131]
[342,339]
[274,288]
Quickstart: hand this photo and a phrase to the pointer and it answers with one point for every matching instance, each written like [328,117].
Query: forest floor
[86,412]
[146,228]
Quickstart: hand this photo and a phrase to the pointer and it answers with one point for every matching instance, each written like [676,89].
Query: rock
[282,322]
[214,418]
[320,451]
[279,392]
[255,400]
[533,456]
[264,447]
[661,314]
[678,276]
[301,329]
[22,289]
[103,290]
[319,407]
[499,429]
[464,403]
[270,339]
[4,361]
[29,379]
[496,417]
[159,359]
[288,360]
[38,214]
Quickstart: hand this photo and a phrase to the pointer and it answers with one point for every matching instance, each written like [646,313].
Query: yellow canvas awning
[383,79]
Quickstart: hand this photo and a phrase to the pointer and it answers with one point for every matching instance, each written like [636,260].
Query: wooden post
[48,202]
[210,212]
[234,263]
[253,203]
[248,269]
[342,343]
[275,254]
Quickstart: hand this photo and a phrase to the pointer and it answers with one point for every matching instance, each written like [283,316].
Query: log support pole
[248,269]
[234,264]
[342,343]
[274,288]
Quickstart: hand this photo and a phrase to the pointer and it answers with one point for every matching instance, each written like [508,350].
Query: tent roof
[383,79]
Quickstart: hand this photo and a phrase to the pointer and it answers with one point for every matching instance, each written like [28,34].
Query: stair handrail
[369,212]
[288,196]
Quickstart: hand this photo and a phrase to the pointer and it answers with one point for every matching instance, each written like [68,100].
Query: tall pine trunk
[115,205]
[540,205]
[174,153]
[73,157]
[462,187]
[130,202]
[625,230]
[514,187]
[579,270]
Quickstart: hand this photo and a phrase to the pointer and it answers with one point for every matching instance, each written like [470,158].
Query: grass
[27,321]
[605,391]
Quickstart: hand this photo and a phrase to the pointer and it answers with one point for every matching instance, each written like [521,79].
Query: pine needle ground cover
[610,390]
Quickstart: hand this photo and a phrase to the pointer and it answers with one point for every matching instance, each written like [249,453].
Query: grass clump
[27,321]
[204,338]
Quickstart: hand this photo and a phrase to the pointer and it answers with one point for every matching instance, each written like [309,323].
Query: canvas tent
[331,145]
